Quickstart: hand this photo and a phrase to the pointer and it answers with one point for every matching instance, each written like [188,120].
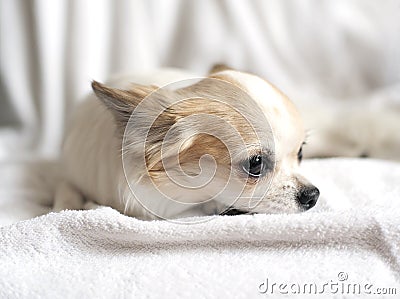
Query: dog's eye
[256,166]
[300,154]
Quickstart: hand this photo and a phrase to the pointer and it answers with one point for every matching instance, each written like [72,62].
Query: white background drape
[50,50]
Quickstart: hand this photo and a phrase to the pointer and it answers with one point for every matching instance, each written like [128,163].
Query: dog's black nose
[308,197]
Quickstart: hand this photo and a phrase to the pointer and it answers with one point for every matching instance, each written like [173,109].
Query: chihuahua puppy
[229,143]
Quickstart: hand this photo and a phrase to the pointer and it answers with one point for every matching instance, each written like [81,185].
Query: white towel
[351,237]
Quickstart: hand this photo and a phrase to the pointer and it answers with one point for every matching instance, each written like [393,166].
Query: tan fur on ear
[121,102]
[219,68]
[131,96]
[142,91]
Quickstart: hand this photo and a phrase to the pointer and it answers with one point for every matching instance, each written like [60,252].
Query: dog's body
[266,167]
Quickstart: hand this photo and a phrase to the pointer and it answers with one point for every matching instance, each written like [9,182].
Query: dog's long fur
[207,128]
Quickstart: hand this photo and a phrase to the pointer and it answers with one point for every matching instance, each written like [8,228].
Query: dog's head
[231,138]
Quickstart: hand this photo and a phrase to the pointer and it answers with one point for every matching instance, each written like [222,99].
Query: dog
[229,143]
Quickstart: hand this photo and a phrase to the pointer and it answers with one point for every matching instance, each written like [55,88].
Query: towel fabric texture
[347,246]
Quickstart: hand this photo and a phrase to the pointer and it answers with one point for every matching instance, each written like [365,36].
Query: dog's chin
[234,212]
[283,209]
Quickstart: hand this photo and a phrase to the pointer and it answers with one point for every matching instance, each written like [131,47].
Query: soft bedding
[348,245]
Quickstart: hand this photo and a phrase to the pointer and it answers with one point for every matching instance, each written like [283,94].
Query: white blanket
[351,237]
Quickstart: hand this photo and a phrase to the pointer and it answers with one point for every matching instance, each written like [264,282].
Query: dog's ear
[121,102]
[218,68]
